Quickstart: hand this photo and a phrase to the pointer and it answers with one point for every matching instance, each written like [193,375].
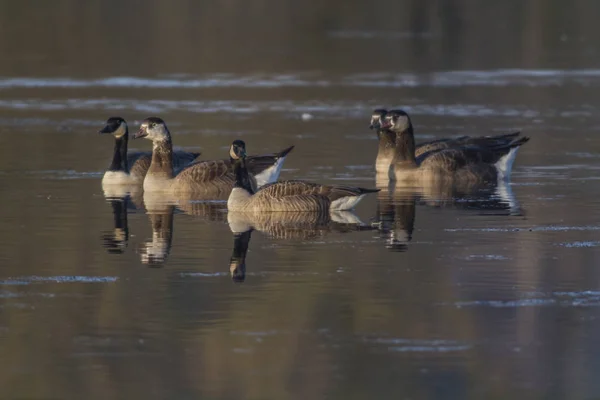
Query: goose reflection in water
[396,205]
[116,240]
[286,226]
[160,210]
[121,198]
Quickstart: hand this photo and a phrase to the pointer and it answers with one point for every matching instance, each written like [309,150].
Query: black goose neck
[242,179]
[119,161]
[405,145]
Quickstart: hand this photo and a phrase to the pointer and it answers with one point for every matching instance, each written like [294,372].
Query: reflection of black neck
[242,179]
[237,263]
[116,241]
[405,146]
[119,161]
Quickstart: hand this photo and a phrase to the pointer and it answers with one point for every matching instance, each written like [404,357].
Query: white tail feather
[346,203]
[504,164]
[270,174]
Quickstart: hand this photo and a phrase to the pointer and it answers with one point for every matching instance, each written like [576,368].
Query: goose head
[377,117]
[154,129]
[397,121]
[237,150]
[116,126]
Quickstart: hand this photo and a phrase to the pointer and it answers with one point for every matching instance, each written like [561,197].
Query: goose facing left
[287,195]
[212,179]
[131,168]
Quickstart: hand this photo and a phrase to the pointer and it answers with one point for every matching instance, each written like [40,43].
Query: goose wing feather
[480,141]
[292,188]
[217,172]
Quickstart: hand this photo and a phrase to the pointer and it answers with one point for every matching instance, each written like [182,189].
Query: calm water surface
[421,293]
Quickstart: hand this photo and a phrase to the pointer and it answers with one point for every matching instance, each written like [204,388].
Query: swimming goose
[287,195]
[484,162]
[387,142]
[210,178]
[130,168]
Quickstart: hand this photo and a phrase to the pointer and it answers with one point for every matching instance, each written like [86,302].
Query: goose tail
[505,163]
[349,202]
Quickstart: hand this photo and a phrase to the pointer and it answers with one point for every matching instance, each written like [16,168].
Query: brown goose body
[207,179]
[130,168]
[296,196]
[467,160]
[387,146]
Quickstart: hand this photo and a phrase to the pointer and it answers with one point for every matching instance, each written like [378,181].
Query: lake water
[493,294]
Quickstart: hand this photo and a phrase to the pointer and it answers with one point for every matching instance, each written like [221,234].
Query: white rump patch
[118,178]
[504,165]
[346,203]
[270,174]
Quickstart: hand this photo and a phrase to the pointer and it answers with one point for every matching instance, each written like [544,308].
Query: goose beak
[106,129]
[375,125]
[142,133]
[385,124]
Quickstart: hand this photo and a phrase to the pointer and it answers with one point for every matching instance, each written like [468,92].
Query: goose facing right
[470,163]
[287,195]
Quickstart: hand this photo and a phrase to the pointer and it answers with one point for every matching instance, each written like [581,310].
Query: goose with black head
[287,195]
[130,168]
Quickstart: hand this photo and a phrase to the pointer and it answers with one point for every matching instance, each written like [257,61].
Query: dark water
[435,295]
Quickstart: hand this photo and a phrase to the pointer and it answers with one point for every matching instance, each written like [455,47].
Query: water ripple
[498,77]
[26,280]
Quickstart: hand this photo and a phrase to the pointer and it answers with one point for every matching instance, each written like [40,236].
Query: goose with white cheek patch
[131,168]
[387,142]
[287,195]
[461,163]
[208,179]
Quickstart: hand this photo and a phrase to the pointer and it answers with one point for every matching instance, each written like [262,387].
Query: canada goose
[209,178]
[287,195]
[130,168]
[461,163]
[387,142]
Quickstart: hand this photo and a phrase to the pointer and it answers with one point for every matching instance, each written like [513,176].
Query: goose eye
[152,125]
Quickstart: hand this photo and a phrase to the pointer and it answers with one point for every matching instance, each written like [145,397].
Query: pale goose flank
[470,162]
[287,195]
[130,168]
[387,142]
[207,178]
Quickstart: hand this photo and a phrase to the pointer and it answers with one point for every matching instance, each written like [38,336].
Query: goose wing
[453,158]
[206,171]
[283,189]
[259,163]
[480,141]
[182,158]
